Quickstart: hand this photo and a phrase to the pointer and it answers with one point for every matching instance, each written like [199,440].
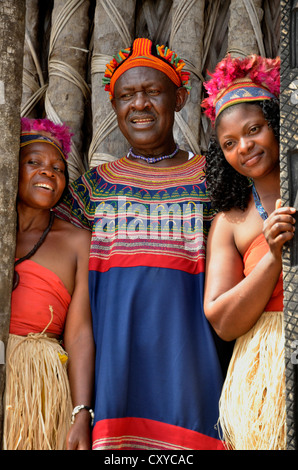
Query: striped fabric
[142,434]
[241,91]
[158,377]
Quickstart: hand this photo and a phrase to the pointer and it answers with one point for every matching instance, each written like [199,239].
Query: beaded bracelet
[77,409]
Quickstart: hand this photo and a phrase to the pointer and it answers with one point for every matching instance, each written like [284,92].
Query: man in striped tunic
[158,376]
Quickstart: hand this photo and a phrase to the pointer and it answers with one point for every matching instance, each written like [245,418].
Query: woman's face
[41,175]
[248,143]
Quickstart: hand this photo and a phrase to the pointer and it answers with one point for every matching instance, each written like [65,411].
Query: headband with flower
[144,54]
[238,80]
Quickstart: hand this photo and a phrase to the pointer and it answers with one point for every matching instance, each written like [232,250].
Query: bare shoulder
[75,236]
[227,221]
[237,227]
[224,232]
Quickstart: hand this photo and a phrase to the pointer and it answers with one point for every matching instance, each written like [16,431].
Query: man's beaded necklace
[153,159]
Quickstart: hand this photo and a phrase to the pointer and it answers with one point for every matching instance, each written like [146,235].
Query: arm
[79,344]
[233,303]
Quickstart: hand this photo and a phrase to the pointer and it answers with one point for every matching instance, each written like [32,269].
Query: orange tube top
[38,289]
[258,248]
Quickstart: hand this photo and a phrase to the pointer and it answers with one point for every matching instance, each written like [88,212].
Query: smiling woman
[243,288]
[248,142]
[42,175]
[49,302]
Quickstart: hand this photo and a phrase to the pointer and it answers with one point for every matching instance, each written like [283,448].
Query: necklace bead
[153,159]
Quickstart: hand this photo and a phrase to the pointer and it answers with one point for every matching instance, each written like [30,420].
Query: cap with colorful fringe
[144,54]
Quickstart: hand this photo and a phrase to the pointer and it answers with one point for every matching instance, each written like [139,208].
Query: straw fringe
[37,402]
[252,404]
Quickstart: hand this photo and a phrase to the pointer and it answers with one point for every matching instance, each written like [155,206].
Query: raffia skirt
[252,409]
[38,403]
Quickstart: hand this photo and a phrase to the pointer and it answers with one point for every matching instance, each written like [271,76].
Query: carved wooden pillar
[289,192]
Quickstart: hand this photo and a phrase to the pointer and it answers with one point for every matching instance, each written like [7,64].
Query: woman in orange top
[50,303]
[243,294]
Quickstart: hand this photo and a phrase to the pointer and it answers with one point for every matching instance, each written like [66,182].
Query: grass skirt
[37,399]
[252,412]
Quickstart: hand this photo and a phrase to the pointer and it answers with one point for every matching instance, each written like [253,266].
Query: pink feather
[60,132]
[261,70]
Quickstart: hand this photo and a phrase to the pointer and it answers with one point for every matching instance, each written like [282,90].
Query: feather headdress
[237,80]
[58,134]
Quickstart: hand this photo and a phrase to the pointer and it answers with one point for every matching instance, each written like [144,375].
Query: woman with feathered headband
[49,302]
[244,290]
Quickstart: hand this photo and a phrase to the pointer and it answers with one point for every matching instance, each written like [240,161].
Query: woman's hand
[279,228]
[233,303]
[79,435]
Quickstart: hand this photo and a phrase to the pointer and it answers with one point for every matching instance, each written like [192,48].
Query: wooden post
[67,90]
[187,41]
[289,191]
[245,36]
[32,77]
[113,30]
[12,29]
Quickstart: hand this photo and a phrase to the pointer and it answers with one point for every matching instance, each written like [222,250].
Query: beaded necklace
[154,159]
[258,203]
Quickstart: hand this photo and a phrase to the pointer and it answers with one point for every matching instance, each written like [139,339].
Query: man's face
[145,102]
